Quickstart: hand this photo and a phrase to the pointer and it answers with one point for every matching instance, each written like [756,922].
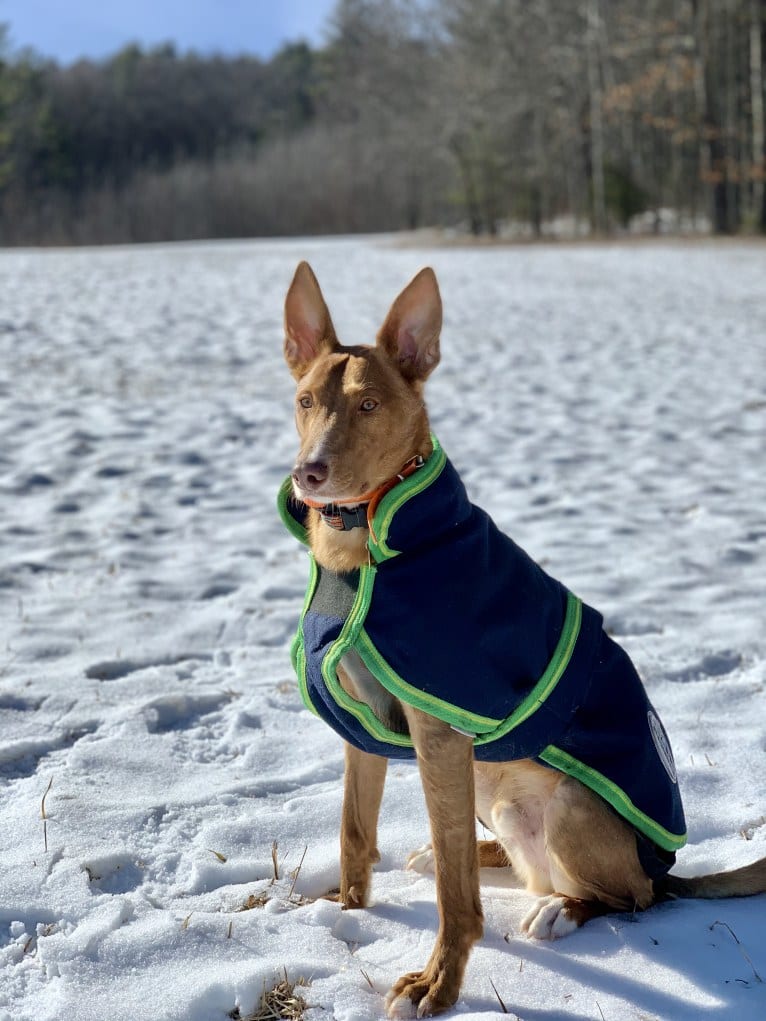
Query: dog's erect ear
[308,328]
[410,334]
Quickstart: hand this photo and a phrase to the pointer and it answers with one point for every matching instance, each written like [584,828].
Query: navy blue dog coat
[453,618]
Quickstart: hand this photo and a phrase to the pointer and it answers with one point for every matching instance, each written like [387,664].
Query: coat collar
[416,512]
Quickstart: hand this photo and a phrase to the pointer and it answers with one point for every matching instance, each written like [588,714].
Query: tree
[497,115]
[757,205]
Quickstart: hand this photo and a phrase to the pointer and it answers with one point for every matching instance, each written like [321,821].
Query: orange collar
[360,511]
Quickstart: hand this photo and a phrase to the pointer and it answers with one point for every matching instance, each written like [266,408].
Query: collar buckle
[343,519]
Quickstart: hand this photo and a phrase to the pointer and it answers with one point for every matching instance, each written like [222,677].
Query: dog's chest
[362,685]
[335,595]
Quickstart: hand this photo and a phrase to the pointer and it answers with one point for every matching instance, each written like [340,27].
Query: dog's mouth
[340,515]
[318,498]
[343,513]
[318,493]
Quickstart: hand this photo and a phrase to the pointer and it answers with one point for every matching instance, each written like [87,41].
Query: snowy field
[606,404]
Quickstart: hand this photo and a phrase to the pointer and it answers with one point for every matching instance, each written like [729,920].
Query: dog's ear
[308,328]
[410,334]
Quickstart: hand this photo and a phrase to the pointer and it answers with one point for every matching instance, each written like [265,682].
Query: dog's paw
[421,994]
[400,1007]
[348,901]
[422,860]
[355,876]
[550,918]
[354,897]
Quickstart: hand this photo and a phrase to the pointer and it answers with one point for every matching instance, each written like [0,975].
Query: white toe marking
[422,860]
[563,925]
[549,919]
[425,1009]
[399,1006]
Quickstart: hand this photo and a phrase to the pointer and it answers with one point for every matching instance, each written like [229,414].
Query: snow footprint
[180,711]
[712,664]
[117,669]
[114,874]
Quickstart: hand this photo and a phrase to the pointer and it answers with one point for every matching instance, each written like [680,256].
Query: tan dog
[361,417]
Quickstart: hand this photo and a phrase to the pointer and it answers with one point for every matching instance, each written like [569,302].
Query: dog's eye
[306,401]
[368,405]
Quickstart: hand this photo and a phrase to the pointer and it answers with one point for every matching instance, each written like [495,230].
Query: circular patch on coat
[662,745]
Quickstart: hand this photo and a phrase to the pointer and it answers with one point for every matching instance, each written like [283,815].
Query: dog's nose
[311,474]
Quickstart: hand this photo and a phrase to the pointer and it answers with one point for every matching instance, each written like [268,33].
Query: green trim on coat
[613,795]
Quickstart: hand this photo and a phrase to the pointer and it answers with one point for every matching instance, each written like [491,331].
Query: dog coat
[453,618]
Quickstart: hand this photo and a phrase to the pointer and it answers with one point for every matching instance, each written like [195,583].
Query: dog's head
[359,410]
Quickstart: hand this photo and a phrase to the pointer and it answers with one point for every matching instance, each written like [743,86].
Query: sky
[97,28]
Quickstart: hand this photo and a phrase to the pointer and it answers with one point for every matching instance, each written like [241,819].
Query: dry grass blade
[221,857]
[499,998]
[741,948]
[280,1003]
[274,861]
[42,804]
[296,872]
[254,901]
[367,979]
[185,923]
[43,816]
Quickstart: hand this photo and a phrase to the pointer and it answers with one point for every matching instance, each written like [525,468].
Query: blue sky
[68,29]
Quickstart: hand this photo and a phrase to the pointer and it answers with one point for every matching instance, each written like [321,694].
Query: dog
[426,633]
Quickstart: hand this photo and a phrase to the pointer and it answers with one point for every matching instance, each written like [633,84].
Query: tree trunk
[700,100]
[713,151]
[733,165]
[470,198]
[757,215]
[596,121]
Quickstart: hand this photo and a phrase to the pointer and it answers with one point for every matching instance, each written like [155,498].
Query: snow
[607,404]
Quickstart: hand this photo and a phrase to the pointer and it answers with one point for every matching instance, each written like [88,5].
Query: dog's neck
[344,550]
[335,550]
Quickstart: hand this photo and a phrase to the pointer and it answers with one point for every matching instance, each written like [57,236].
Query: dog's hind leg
[593,860]
[445,760]
[364,778]
[492,855]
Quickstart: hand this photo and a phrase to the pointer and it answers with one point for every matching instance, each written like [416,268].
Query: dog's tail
[742,882]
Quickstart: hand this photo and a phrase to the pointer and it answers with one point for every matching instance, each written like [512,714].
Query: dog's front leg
[362,792]
[445,759]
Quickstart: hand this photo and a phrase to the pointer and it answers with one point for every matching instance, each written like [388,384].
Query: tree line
[484,115]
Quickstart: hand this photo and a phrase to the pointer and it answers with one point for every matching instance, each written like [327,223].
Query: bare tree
[496,115]
[757,211]
[595,97]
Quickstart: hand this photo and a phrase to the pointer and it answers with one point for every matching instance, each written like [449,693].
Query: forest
[491,117]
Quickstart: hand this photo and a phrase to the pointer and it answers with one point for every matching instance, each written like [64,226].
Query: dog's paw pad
[355,898]
[422,860]
[400,1007]
[550,918]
